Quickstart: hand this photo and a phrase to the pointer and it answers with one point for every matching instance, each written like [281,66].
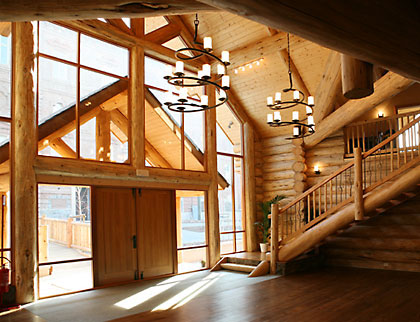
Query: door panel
[156,232]
[115,225]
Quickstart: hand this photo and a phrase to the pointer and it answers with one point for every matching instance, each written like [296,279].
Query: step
[372,254]
[394,218]
[372,264]
[238,267]
[388,231]
[397,244]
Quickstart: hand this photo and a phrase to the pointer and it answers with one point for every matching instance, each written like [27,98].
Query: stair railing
[367,134]
[389,158]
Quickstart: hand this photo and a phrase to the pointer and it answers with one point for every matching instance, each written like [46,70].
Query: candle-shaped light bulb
[204,100]
[311,101]
[200,74]
[220,69]
[222,96]
[311,120]
[316,169]
[225,56]
[168,72]
[295,116]
[308,110]
[270,101]
[277,97]
[206,70]
[277,116]
[183,94]
[296,131]
[381,114]
[179,67]
[208,43]
[225,82]
[296,95]
[269,118]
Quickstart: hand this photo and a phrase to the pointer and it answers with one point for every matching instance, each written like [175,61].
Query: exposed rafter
[163,34]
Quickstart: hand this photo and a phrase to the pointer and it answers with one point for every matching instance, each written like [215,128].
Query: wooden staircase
[253,264]
[378,181]
[389,241]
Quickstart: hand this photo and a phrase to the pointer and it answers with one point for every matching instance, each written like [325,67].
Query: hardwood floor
[332,294]
[340,294]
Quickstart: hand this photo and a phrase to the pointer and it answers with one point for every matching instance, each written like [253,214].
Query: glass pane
[240,242]
[226,243]
[177,43]
[64,223]
[229,131]
[154,72]
[153,23]
[57,41]
[5,75]
[57,89]
[192,259]
[5,198]
[224,167]
[46,150]
[174,116]
[4,133]
[70,140]
[103,56]
[194,128]
[238,194]
[88,140]
[65,278]
[92,83]
[119,150]
[191,219]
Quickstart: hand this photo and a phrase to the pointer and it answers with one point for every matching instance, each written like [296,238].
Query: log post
[356,77]
[274,238]
[69,232]
[358,185]
[250,201]
[23,154]
[212,194]
[103,136]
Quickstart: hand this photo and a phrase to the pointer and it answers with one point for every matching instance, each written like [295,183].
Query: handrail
[317,203]
[391,117]
[348,165]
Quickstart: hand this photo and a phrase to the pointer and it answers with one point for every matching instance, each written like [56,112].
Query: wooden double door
[134,234]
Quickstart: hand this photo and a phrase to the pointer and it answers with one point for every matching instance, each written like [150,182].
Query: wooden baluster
[309,209]
[325,198]
[364,136]
[412,141]
[417,126]
[319,201]
[405,146]
[391,145]
[274,237]
[352,134]
[314,203]
[358,185]
[398,145]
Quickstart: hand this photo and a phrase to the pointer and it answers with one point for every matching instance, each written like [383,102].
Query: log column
[357,77]
[250,203]
[212,194]
[358,185]
[23,153]
[137,98]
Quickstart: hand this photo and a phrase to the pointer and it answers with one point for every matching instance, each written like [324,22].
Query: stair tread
[238,267]
[373,264]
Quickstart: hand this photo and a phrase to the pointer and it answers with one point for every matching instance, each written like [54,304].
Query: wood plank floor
[328,295]
[333,294]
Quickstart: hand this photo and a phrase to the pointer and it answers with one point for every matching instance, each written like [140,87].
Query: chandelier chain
[288,58]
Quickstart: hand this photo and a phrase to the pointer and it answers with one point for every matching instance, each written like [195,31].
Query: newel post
[274,237]
[358,185]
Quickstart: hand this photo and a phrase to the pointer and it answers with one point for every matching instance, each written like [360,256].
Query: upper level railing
[393,155]
[368,134]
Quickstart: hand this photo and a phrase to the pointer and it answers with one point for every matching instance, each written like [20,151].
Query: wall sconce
[316,170]
[381,114]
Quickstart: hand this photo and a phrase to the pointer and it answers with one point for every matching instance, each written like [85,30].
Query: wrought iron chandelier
[219,81]
[300,128]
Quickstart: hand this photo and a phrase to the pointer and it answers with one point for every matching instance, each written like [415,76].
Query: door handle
[134,238]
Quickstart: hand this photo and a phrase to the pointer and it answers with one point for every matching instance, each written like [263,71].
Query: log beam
[103,136]
[23,152]
[386,87]
[329,89]
[356,77]
[163,34]
[388,38]
[62,148]
[89,9]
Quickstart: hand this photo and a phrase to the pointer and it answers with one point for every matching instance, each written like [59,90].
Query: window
[64,239]
[82,95]
[154,23]
[191,231]
[174,140]
[229,134]
[5,76]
